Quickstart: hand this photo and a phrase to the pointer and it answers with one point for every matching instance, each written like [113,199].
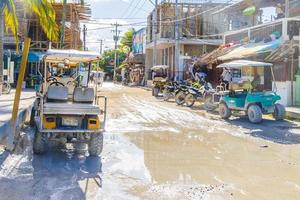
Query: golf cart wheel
[279,112]
[32,115]
[254,114]
[179,98]
[96,144]
[155,91]
[166,94]
[208,103]
[189,100]
[224,111]
[40,142]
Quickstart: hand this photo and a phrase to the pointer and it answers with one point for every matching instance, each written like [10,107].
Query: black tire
[279,112]
[224,111]
[166,94]
[40,142]
[179,98]
[32,115]
[209,104]
[189,100]
[254,114]
[6,88]
[155,91]
[96,144]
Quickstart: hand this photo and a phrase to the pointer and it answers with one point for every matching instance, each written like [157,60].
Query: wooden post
[11,136]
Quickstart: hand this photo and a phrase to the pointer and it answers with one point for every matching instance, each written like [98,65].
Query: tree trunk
[1,49]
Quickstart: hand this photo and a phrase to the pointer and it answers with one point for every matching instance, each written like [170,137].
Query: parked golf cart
[67,109]
[246,96]
[160,79]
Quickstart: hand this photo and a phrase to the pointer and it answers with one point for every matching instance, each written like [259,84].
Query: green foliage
[126,40]
[43,10]
[109,56]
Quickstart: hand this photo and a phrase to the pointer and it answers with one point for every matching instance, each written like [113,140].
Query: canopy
[237,64]
[70,56]
[158,67]
[35,56]
[250,50]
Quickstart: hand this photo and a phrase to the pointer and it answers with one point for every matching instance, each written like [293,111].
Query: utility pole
[1,48]
[63,23]
[84,37]
[287,8]
[101,45]
[178,67]
[154,33]
[116,39]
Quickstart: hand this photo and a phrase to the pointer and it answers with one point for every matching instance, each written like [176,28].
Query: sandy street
[157,150]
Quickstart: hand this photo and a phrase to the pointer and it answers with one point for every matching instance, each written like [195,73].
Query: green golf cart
[248,93]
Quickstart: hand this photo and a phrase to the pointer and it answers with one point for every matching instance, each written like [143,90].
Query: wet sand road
[157,150]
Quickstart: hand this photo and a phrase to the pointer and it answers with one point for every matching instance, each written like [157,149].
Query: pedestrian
[226,77]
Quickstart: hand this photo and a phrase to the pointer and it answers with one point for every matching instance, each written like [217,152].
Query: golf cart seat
[84,95]
[57,93]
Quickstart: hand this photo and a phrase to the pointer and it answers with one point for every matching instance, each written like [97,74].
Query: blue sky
[106,12]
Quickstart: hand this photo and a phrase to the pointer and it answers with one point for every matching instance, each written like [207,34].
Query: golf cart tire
[224,111]
[96,144]
[279,112]
[192,102]
[32,115]
[179,98]
[40,142]
[254,114]
[155,91]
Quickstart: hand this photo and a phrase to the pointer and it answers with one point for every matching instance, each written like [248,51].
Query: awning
[70,56]
[35,56]
[237,64]
[250,50]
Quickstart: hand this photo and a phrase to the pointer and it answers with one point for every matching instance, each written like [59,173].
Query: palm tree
[44,12]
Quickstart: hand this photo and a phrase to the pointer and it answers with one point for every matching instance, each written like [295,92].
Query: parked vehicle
[196,94]
[160,79]
[247,98]
[170,90]
[181,93]
[67,109]
[6,88]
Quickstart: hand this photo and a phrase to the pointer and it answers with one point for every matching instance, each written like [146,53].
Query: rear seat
[57,93]
[84,95]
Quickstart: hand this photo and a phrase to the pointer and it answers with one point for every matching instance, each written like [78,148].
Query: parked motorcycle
[170,90]
[180,94]
[196,94]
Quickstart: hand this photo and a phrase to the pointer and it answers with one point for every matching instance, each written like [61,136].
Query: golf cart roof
[158,67]
[70,56]
[237,64]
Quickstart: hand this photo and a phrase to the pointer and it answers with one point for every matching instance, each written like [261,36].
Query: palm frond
[10,18]
[46,15]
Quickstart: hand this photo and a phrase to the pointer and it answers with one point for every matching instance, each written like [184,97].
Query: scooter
[170,90]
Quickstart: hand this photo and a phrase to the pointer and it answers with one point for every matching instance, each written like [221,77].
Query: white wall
[284,90]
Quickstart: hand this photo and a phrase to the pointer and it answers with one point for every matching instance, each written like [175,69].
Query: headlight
[69,121]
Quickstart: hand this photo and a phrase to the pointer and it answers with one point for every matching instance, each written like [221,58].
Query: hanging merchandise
[249,11]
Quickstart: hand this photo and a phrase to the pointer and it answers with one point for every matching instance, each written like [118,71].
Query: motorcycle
[197,94]
[180,94]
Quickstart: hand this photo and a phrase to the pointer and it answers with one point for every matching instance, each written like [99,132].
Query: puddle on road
[184,153]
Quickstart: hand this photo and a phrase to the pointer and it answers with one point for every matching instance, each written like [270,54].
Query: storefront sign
[139,42]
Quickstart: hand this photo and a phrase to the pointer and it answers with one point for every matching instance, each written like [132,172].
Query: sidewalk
[293,112]
[6,104]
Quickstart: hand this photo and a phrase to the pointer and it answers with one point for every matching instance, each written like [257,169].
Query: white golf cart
[67,109]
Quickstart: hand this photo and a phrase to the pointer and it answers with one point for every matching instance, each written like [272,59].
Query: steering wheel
[51,79]
[56,83]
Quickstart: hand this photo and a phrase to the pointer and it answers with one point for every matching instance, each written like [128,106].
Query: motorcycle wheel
[189,100]
[6,88]
[179,98]
[166,94]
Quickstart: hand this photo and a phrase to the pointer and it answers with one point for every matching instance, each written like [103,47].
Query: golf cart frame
[254,103]
[67,109]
